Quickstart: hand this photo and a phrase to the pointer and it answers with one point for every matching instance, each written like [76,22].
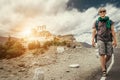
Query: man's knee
[102,55]
[108,56]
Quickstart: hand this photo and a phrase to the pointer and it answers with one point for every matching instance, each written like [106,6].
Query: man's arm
[93,36]
[114,36]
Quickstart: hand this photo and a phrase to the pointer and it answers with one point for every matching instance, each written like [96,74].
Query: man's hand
[93,43]
[93,36]
[114,43]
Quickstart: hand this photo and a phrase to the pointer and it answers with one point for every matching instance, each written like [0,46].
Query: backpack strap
[110,24]
[96,24]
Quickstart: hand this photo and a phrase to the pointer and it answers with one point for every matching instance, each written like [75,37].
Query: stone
[1,68]
[22,65]
[67,71]
[38,74]
[60,49]
[74,66]
[21,70]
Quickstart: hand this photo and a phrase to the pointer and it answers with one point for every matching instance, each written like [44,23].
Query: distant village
[41,34]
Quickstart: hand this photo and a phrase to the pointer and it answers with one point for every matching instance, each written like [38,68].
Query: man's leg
[104,59]
[103,62]
[109,48]
[107,57]
[101,48]
[102,52]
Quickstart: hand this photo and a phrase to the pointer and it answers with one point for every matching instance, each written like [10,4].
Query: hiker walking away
[103,29]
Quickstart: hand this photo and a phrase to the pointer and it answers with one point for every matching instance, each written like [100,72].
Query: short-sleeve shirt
[103,33]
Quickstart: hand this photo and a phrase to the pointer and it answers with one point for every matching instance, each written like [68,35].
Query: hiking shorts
[105,48]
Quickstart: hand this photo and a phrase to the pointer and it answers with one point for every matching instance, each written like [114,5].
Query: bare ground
[54,65]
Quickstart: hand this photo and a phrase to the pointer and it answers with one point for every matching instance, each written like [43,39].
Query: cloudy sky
[60,16]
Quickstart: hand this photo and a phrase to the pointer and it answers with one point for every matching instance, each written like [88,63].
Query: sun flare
[26,33]
[36,34]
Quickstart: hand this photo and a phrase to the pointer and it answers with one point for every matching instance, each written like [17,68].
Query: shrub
[63,43]
[45,46]
[38,51]
[13,52]
[68,44]
[2,51]
[11,49]
[34,45]
[59,43]
[48,43]
[31,46]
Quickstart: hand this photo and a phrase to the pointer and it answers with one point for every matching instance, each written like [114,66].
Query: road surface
[114,73]
[114,70]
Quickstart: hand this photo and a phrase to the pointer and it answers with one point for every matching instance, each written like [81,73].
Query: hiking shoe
[104,74]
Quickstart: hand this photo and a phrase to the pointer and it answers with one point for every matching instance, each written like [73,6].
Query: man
[106,38]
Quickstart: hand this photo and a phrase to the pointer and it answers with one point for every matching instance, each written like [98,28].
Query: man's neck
[102,16]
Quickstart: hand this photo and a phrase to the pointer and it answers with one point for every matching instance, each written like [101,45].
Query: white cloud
[16,15]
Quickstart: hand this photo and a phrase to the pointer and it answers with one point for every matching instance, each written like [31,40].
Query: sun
[26,33]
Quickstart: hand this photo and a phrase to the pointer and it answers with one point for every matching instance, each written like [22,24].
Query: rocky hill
[4,39]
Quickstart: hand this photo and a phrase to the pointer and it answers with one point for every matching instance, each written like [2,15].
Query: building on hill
[41,34]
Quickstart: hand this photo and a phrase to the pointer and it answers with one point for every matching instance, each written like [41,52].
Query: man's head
[102,12]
